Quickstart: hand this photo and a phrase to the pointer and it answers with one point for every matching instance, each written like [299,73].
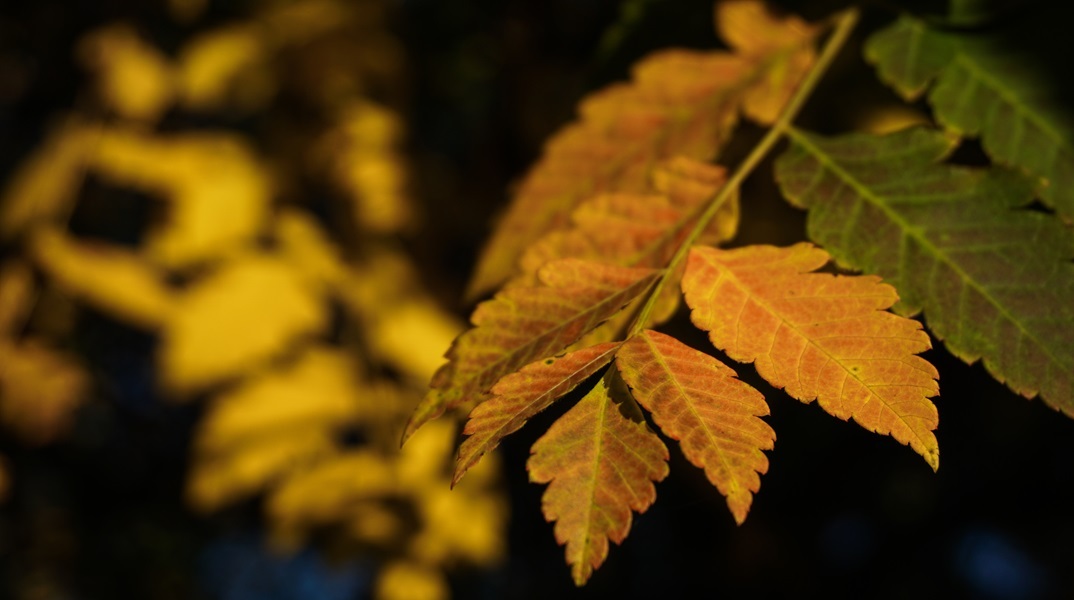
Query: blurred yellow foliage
[44,188]
[221,478]
[302,241]
[360,154]
[218,193]
[310,353]
[16,289]
[225,67]
[402,580]
[406,328]
[132,77]
[320,389]
[39,390]
[112,279]
[249,310]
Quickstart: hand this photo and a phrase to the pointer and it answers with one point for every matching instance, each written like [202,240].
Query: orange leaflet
[641,230]
[697,400]
[680,102]
[525,323]
[818,336]
[599,465]
[519,396]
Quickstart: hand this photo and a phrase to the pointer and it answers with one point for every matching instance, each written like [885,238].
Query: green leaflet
[980,87]
[994,279]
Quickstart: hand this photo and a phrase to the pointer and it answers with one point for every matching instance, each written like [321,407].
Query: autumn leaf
[599,466]
[519,396]
[639,230]
[994,280]
[635,230]
[818,336]
[526,323]
[680,102]
[978,86]
[695,399]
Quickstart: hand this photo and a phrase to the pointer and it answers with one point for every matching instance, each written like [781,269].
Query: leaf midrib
[713,440]
[812,342]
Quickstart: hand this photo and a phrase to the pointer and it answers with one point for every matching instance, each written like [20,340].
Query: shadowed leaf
[599,466]
[994,280]
[981,87]
[818,336]
[697,400]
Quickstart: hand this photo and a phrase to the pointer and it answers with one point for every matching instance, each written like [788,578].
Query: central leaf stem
[844,25]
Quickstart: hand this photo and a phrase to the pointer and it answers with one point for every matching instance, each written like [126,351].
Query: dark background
[841,513]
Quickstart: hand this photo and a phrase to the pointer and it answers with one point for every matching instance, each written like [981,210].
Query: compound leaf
[599,466]
[994,279]
[697,400]
[818,336]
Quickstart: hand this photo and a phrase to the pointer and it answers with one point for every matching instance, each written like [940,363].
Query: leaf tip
[932,456]
[421,416]
[580,573]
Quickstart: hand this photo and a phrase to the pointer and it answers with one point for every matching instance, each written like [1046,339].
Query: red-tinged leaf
[635,230]
[640,229]
[818,336]
[679,102]
[526,323]
[519,396]
[697,400]
[599,466]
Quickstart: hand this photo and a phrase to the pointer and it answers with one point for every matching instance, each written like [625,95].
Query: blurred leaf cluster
[262,253]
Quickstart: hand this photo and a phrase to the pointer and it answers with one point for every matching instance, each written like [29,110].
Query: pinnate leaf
[818,336]
[994,280]
[680,102]
[979,87]
[697,400]
[525,323]
[599,465]
[519,396]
